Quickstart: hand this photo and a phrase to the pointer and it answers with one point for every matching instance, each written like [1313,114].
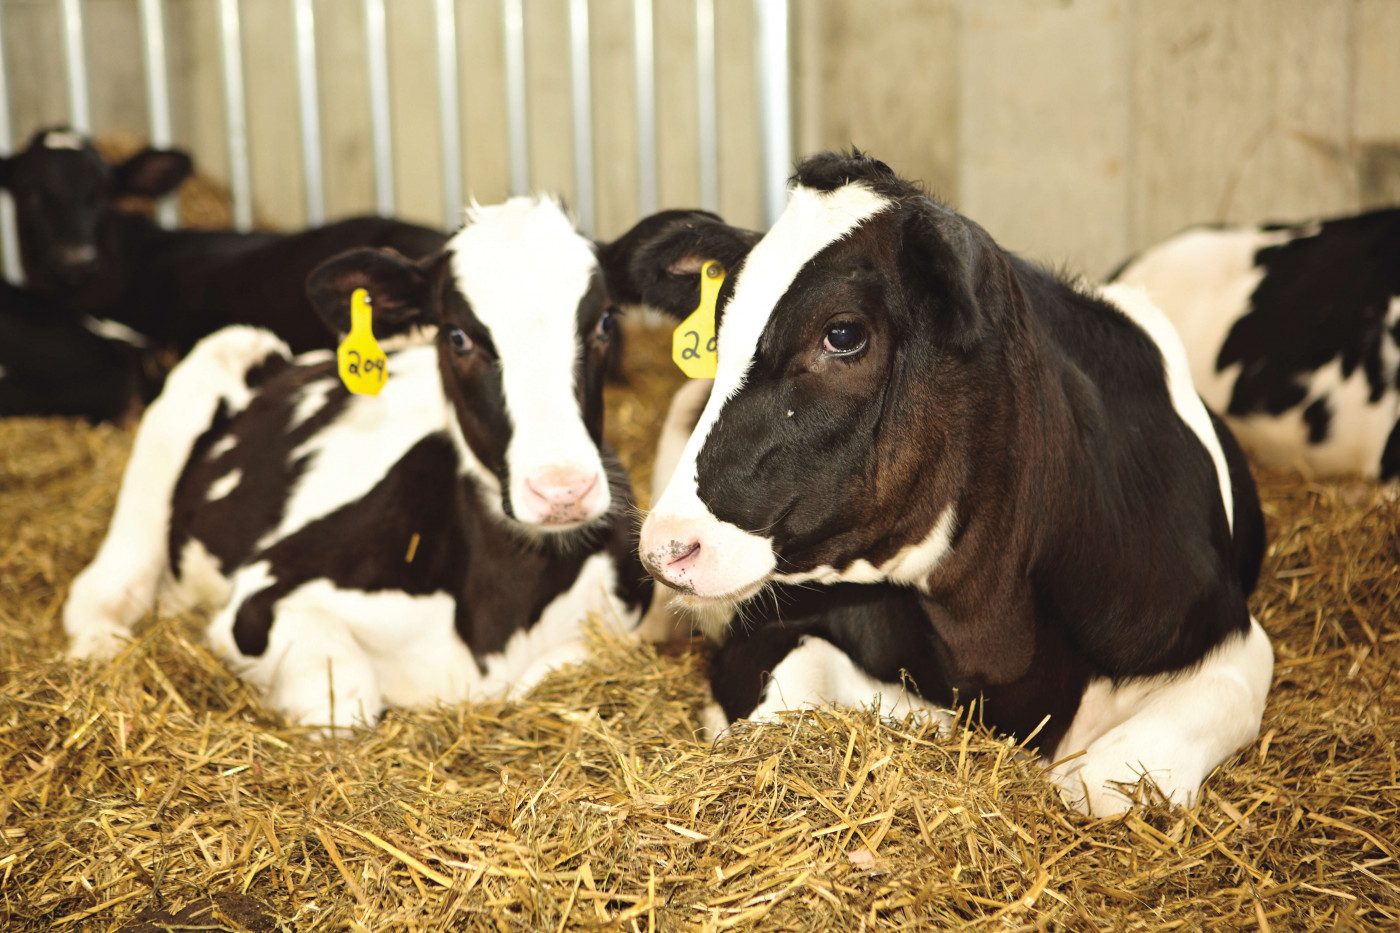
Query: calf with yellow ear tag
[359,359]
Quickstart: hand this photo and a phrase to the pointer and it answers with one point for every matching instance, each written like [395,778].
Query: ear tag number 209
[693,345]
[361,361]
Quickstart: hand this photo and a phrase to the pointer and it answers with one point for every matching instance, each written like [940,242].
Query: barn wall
[1075,130]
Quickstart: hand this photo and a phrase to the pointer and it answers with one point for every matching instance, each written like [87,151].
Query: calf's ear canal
[151,173]
[658,261]
[400,290]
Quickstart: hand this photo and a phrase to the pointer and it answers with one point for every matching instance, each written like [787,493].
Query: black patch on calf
[1390,457]
[1318,417]
[1323,297]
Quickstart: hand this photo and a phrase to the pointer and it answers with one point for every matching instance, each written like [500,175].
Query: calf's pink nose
[560,494]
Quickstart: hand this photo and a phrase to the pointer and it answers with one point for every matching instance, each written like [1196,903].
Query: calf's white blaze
[733,561]
[524,269]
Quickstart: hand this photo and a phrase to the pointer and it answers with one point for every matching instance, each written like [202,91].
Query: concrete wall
[1076,131]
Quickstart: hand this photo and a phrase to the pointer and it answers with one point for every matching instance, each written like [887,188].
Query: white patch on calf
[119,586]
[1203,280]
[1135,304]
[816,674]
[1174,728]
[224,485]
[337,657]
[740,561]
[370,435]
[910,566]
[220,447]
[114,330]
[61,139]
[201,585]
[311,399]
[524,269]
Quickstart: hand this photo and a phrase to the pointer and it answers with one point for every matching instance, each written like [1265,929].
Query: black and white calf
[1009,486]
[442,540]
[1293,331]
[173,286]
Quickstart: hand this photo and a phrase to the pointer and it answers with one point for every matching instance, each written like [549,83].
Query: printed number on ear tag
[693,345]
[361,362]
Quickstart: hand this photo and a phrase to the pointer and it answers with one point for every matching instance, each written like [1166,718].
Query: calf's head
[61,186]
[524,316]
[853,344]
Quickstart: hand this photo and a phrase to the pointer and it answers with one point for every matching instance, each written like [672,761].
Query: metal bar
[377,54]
[644,54]
[309,105]
[581,90]
[9,238]
[706,109]
[235,114]
[75,64]
[450,114]
[158,94]
[517,117]
[775,127]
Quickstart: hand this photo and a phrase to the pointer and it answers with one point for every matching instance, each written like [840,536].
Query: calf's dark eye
[844,338]
[460,341]
[604,330]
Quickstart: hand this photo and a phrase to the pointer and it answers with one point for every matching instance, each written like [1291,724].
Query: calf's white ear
[400,290]
[151,173]
[658,261]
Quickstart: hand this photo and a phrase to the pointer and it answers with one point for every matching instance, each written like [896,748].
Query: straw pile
[156,792]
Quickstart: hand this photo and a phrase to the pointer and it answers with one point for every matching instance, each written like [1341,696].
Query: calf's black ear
[151,173]
[956,277]
[400,290]
[658,261]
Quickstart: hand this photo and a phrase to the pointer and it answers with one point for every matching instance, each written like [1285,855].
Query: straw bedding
[156,792]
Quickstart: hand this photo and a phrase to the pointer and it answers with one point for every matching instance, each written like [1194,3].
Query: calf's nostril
[679,551]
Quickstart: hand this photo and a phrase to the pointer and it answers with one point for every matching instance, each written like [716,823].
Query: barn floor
[156,793]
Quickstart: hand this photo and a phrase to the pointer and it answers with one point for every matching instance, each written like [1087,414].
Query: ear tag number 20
[360,360]
[693,345]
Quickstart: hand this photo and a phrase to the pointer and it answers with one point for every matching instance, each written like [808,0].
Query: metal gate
[770,37]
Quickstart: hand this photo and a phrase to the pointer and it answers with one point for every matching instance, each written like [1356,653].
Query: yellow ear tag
[693,344]
[362,363]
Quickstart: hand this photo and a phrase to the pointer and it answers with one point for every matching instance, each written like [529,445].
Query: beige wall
[1075,130]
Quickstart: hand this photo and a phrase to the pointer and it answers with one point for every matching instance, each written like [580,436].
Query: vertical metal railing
[644,57]
[707,130]
[581,95]
[158,93]
[771,44]
[309,109]
[235,113]
[75,65]
[377,59]
[517,118]
[9,242]
[772,62]
[449,113]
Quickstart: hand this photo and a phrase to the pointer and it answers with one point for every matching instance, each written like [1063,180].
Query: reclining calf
[442,540]
[1056,525]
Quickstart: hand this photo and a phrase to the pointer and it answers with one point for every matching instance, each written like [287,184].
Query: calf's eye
[844,338]
[606,323]
[460,341]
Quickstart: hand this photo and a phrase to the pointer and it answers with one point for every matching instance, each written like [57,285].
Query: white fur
[1134,303]
[61,139]
[201,585]
[311,399]
[524,269]
[1174,729]
[114,330]
[910,566]
[224,485]
[119,586]
[816,673]
[220,447]
[336,658]
[734,563]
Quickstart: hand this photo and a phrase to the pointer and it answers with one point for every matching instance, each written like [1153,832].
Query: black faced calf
[443,540]
[1009,484]
[172,286]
